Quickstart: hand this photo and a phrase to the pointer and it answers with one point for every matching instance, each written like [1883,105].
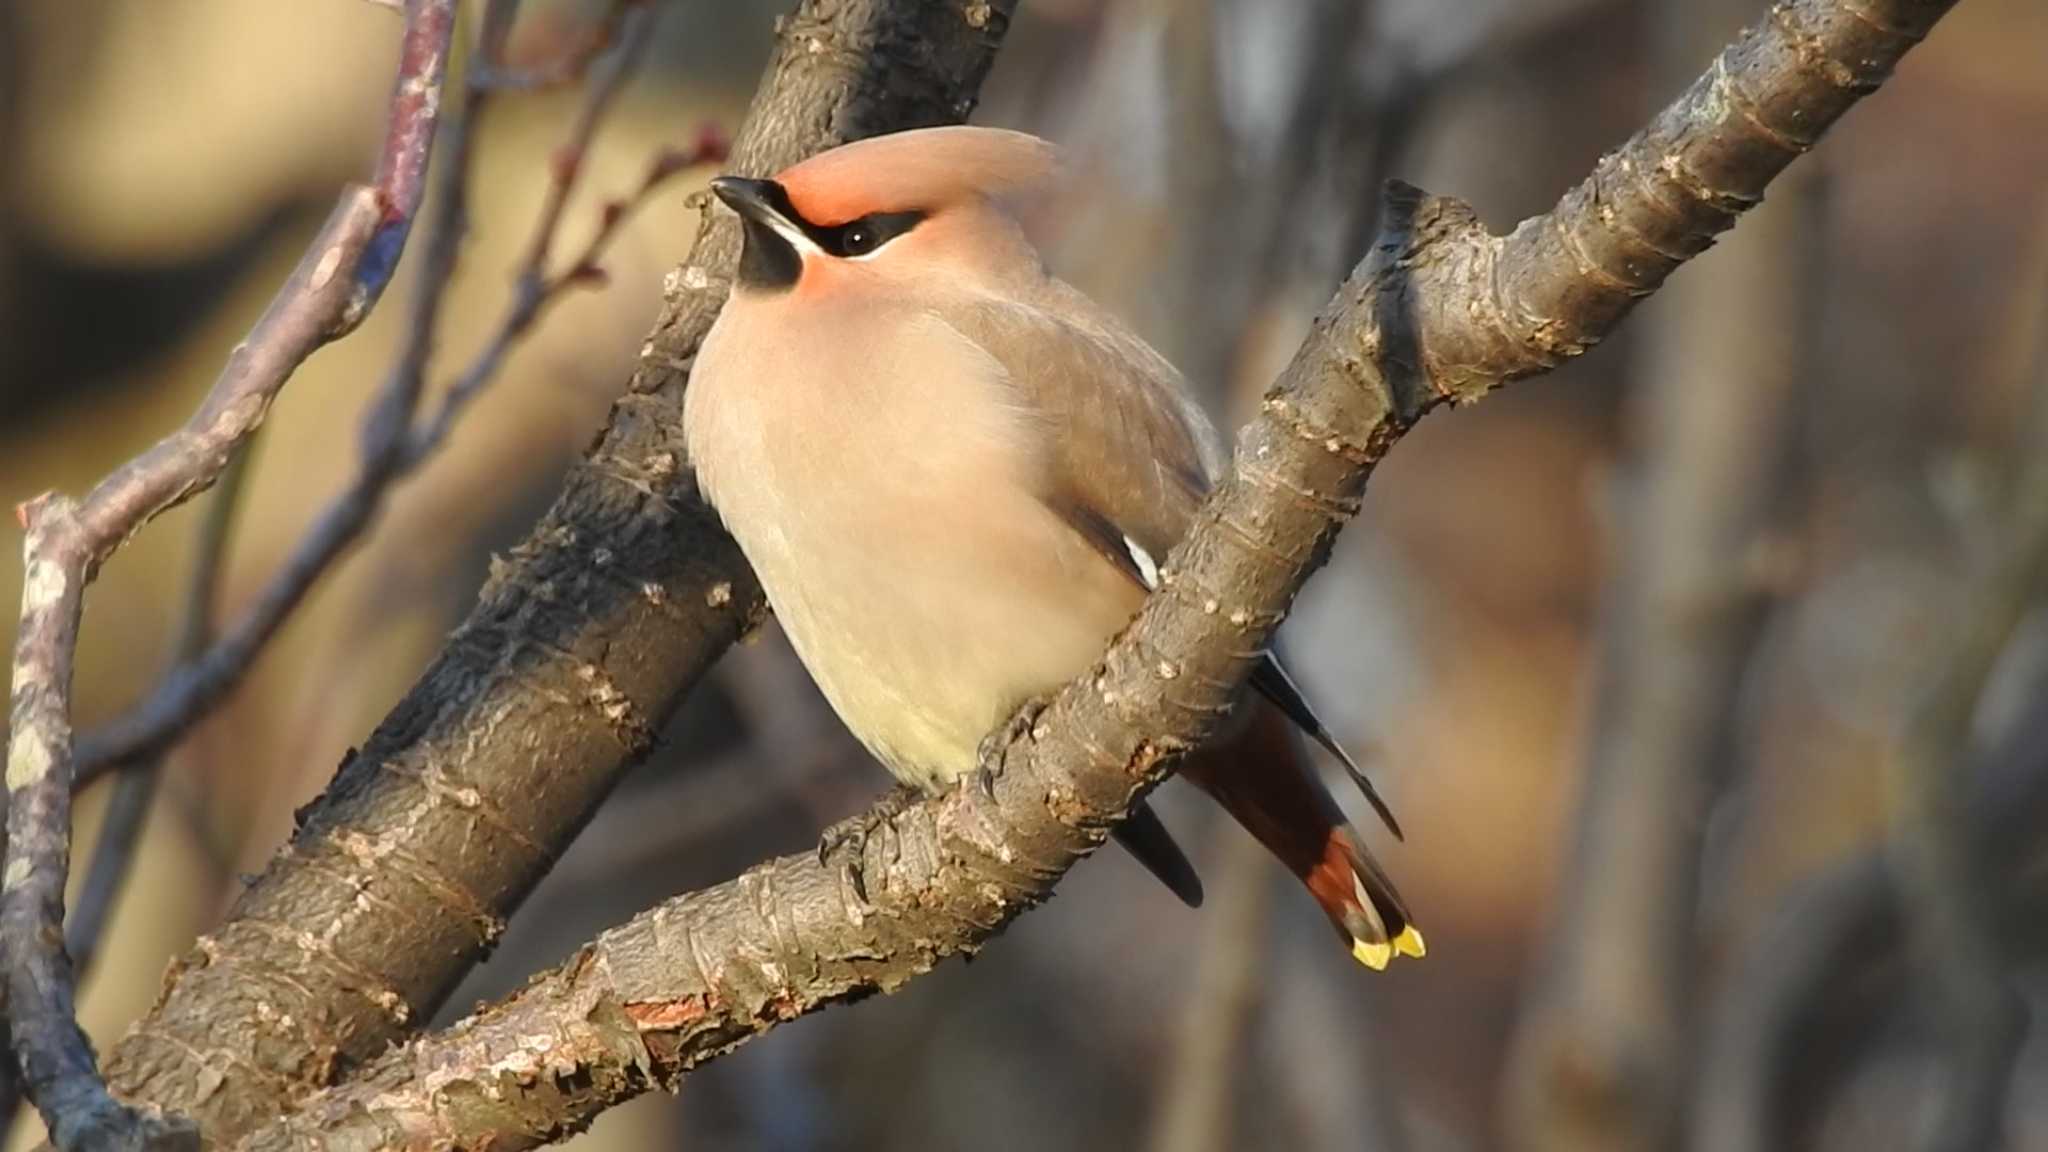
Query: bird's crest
[925,170]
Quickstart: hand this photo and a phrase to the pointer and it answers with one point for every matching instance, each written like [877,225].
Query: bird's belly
[883,486]
[926,629]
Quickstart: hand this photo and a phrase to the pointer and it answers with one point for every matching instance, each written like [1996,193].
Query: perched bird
[956,477]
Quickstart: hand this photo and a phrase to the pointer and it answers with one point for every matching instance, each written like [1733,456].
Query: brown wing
[1131,457]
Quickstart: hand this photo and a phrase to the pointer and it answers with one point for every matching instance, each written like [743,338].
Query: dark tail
[1263,778]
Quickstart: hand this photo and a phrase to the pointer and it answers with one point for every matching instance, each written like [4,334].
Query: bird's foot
[846,841]
[995,747]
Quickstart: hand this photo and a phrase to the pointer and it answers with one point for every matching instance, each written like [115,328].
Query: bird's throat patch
[768,261]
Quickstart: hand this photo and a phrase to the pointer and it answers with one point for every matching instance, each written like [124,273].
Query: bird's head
[903,207]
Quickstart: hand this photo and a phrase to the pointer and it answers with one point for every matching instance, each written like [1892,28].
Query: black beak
[762,201]
[768,261]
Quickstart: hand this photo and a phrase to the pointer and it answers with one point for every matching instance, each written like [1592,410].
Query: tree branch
[403,873]
[392,445]
[135,788]
[336,283]
[1439,312]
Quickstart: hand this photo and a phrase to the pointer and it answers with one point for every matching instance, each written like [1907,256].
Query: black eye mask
[771,262]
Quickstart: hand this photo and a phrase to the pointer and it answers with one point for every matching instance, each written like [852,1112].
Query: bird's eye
[865,235]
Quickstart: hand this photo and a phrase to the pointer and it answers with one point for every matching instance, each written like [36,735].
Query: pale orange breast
[883,488]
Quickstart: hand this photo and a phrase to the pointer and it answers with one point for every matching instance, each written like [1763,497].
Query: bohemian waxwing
[956,476]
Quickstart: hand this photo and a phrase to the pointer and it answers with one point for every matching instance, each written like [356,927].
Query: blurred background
[1736,565]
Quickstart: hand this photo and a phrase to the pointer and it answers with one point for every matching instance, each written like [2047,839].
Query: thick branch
[335,284]
[403,873]
[1439,311]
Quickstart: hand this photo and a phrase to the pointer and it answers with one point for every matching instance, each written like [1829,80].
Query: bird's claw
[995,746]
[847,840]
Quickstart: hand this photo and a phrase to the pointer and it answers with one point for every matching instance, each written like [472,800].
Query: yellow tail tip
[1377,956]
[1409,943]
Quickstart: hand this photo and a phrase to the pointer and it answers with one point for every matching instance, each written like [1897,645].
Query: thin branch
[582,640]
[534,288]
[392,445]
[1441,311]
[335,284]
[135,788]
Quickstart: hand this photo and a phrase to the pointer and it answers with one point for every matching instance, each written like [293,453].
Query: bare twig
[1441,311]
[393,444]
[336,282]
[135,788]
[581,641]
[534,288]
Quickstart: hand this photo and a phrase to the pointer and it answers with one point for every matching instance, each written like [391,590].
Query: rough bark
[1440,312]
[403,873]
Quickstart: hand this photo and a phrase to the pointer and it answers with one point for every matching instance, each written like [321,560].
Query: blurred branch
[567,64]
[1200,1079]
[393,446]
[534,287]
[1321,91]
[1599,1057]
[1827,940]
[401,876]
[1381,106]
[1833,961]
[1440,312]
[1944,878]
[335,284]
[1203,314]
